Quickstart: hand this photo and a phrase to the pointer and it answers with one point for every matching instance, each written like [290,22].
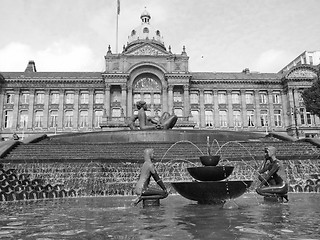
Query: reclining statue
[166,121]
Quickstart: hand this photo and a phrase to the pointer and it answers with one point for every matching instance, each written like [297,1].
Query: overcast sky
[219,35]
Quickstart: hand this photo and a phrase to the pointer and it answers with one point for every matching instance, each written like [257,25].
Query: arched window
[146,30]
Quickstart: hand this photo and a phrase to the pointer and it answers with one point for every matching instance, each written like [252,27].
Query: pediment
[148,49]
[302,73]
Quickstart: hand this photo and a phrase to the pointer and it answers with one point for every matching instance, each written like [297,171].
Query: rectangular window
[237,118]
[276,97]
[178,112]
[208,118]
[194,98]
[177,96]
[9,98]
[249,97]
[38,121]
[136,97]
[98,98]
[39,98]
[250,118]
[68,120]
[24,99]
[264,118]
[147,98]
[208,98]
[223,118]
[23,119]
[116,96]
[277,118]
[8,117]
[222,97]
[53,119]
[83,119]
[235,97]
[54,98]
[302,115]
[195,117]
[69,98]
[156,98]
[84,98]
[308,118]
[263,97]
[97,118]
[116,112]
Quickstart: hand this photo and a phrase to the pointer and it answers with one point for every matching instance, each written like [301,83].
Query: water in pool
[247,217]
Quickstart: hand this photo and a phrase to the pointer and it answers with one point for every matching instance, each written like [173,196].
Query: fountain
[209,187]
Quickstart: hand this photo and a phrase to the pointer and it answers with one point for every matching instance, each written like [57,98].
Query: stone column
[230,110]
[61,110]
[170,98]
[286,110]
[46,109]
[271,110]
[15,120]
[243,108]
[130,104]
[30,113]
[186,100]
[291,107]
[164,99]
[124,98]
[202,114]
[76,109]
[2,95]
[257,107]
[107,99]
[216,109]
[90,110]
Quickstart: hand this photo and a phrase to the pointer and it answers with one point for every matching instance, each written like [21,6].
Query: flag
[118,7]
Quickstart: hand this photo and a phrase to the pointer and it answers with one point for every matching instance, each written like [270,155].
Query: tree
[311,97]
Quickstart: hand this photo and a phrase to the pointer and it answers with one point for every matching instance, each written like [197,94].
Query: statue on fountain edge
[272,177]
[166,121]
[142,189]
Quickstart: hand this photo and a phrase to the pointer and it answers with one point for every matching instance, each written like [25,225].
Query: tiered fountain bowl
[210,186]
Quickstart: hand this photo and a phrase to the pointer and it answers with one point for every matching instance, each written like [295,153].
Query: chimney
[246,70]
[31,67]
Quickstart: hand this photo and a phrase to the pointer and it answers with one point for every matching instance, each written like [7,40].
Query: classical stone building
[62,102]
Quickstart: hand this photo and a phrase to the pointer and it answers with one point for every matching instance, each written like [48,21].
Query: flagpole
[117,25]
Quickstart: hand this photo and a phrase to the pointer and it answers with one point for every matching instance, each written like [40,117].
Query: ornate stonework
[147,50]
[302,73]
[147,84]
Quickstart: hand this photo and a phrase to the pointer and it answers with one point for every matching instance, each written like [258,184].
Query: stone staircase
[113,168]
[51,151]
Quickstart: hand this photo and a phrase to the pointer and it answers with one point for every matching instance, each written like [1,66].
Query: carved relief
[147,84]
[147,50]
[302,73]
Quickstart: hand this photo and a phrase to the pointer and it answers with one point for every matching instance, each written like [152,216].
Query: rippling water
[248,217]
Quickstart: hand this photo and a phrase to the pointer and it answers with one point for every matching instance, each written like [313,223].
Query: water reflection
[175,218]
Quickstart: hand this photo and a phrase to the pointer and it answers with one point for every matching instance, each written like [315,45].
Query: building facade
[34,102]
[307,57]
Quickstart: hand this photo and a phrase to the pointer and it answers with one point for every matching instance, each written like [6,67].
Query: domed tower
[145,70]
[145,33]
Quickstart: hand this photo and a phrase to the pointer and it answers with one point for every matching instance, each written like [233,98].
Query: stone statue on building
[166,121]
